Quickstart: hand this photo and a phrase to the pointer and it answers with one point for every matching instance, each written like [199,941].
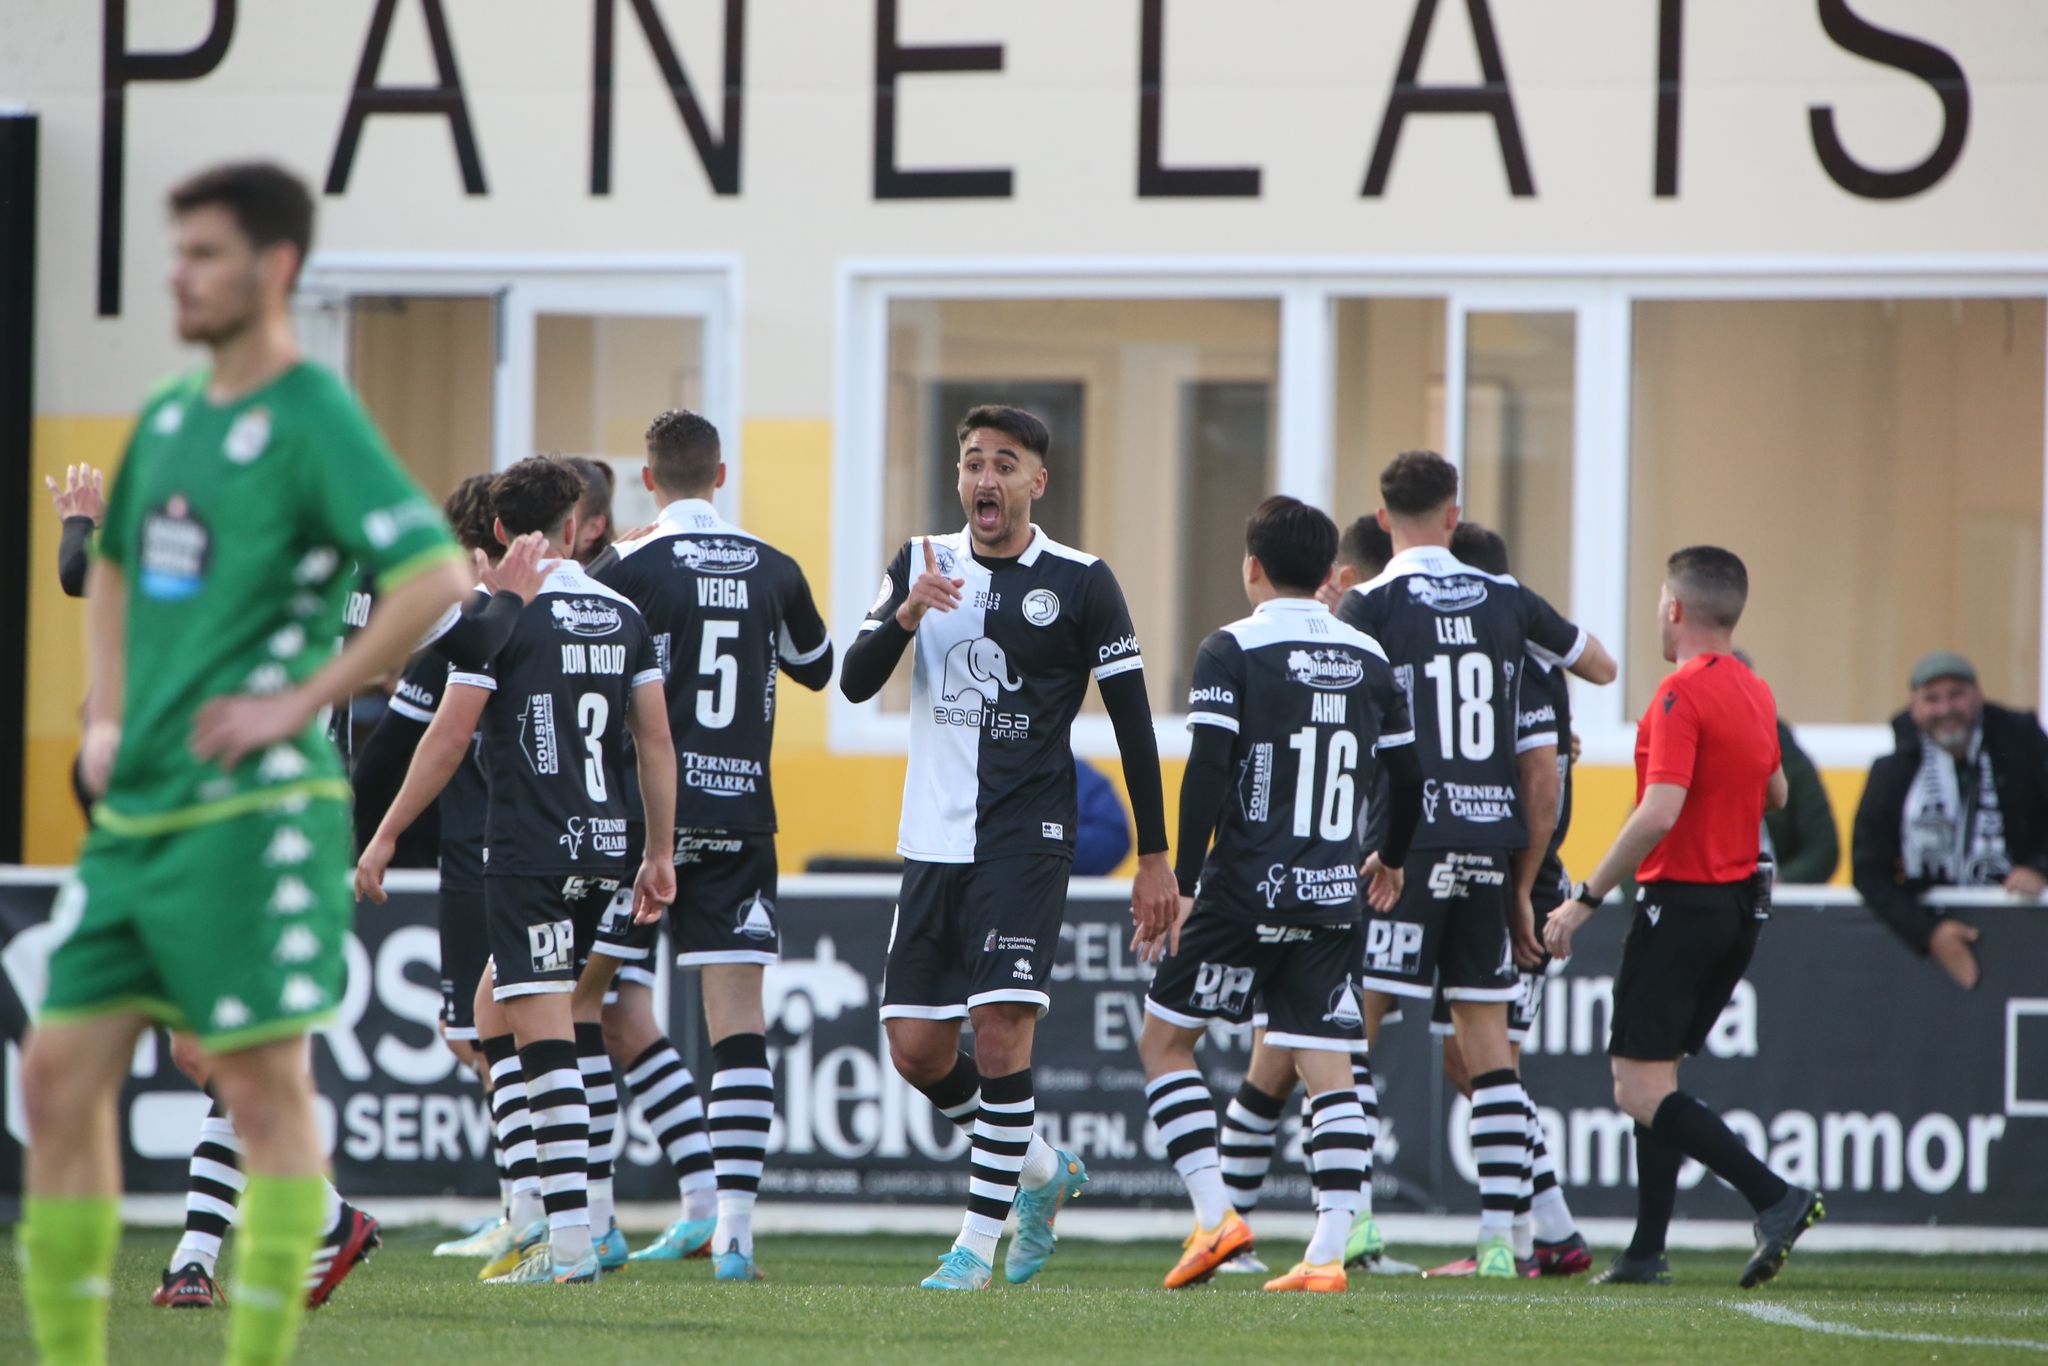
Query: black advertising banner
[1850,1064]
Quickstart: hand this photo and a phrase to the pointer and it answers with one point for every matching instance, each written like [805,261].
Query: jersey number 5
[1464,723]
[1340,790]
[715,704]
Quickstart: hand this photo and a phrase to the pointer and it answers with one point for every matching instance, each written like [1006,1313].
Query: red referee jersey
[1712,729]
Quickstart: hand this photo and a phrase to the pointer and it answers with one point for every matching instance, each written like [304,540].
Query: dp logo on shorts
[552,946]
[1393,946]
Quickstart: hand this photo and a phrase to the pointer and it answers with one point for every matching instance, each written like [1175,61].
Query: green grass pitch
[845,1299]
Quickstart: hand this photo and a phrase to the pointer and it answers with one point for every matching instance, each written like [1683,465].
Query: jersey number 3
[1464,723]
[1340,790]
[592,711]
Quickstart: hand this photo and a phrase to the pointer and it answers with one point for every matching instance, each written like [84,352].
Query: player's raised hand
[522,571]
[83,493]
[371,867]
[1383,887]
[653,889]
[227,729]
[930,591]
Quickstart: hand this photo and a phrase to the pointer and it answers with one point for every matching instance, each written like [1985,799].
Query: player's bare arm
[229,728]
[654,887]
[106,654]
[1541,787]
[1594,664]
[440,753]
[1777,791]
[1651,821]
[930,591]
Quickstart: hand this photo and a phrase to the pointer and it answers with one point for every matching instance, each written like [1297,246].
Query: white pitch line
[1792,1318]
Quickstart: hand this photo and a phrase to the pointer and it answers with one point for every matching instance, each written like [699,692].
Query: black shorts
[540,929]
[971,934]
[1302,980]
[724,911]
[1546,897]
[464,951]
[1450,927]
[1686,949]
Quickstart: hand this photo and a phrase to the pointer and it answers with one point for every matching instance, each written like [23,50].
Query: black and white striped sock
[1184,1113]
[1251,1130]
[666,1093]
[1500,1148]
[957,1095]
[742,1108]
[1339,1161]
[213,1190]
[1001,1138]
[561,1137]
[1368,1101]
[513,1120]
[1553,1216]
[601,1091]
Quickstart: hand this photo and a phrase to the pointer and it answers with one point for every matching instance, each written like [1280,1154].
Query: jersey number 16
[1340,790]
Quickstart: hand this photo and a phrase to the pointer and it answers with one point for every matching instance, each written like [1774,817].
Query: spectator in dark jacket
[1102,836]
[1801,835]
[1962,802]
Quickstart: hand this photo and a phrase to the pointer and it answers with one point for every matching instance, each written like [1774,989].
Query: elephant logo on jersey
[1343,1011]
[980,667]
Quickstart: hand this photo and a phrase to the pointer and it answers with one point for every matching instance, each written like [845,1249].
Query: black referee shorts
[1689,945]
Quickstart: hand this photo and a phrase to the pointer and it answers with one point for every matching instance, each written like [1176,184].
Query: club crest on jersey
[717,555]
[1343,1011]
[988,945]
[585,616]
[1447,595]
[1041,607]
[1328,669]
[756,919]
[248,437]
[948,562]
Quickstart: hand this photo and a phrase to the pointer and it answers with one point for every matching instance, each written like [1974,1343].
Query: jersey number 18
[1464,722]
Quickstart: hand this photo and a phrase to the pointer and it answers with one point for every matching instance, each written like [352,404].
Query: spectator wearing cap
[1962,802]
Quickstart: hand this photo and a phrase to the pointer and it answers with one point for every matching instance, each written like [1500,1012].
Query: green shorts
[235,930]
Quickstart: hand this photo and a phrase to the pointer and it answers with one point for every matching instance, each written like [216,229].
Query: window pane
[1161,412]
[1876,462]
[1390,393]
[423,367]
[599,379]
[1519,392]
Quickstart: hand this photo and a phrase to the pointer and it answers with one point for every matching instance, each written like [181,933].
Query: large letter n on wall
[444,98]
[721,155]
[1491,97]
[119,66]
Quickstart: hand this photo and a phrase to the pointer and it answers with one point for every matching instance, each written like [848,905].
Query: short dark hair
[1366,546]
[268,203]
[1711,582]
[683,451]
[1481,547]
[599,482]
[536,494]
[1294,542]
[1026,429]
[1416,483]
[468,510]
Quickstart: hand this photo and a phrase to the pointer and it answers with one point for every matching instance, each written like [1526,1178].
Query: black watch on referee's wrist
[1581,892]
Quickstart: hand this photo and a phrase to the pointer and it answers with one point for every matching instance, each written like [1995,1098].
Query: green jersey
[235,527]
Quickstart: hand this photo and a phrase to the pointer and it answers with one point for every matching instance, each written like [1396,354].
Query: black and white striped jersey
[728,613]
[555,726]
[1461,640]
[1547,708]
[465,803]
[995,685]
[1310,701]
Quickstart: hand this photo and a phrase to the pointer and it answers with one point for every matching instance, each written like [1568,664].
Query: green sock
[66,1247]
[281,1219]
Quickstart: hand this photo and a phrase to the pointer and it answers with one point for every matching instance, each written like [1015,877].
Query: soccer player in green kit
[214,893]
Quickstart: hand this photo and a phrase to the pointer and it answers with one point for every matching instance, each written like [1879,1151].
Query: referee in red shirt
[1707,767]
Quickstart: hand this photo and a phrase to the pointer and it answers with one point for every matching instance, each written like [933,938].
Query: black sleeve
[1404,802]
[1203,790]
[1130,712]
[872,656]
[476,634]
[805,646]
[2027,829]
[1354,610]
[1874,855]
[1548,635]
[72,559]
